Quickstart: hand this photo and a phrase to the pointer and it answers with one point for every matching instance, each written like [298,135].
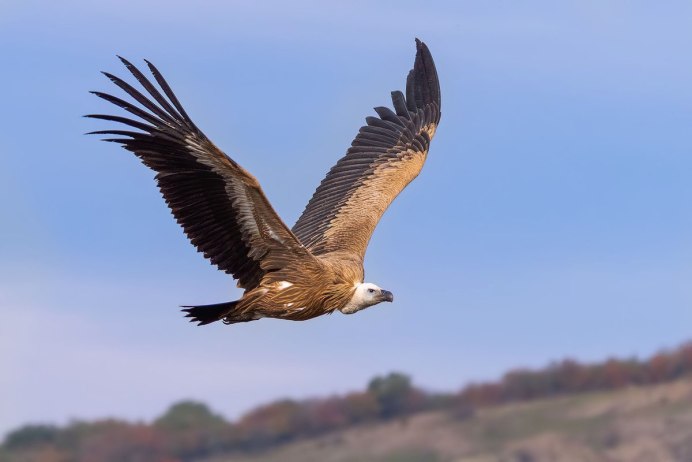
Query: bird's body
[315,268]
[303,291]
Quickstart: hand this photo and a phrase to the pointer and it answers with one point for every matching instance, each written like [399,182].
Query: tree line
[189,430]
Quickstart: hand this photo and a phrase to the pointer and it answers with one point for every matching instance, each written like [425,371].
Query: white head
[365,295]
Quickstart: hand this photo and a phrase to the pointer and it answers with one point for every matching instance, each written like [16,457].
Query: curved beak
[387,296]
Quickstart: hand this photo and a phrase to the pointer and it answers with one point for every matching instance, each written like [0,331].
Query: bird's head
[364,295]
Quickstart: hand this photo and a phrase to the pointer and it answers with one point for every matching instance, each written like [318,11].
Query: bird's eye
[371,291]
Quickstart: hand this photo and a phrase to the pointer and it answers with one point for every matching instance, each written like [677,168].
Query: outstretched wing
[220,206]
[386,155]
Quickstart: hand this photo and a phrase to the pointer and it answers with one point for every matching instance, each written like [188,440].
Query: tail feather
[206,314]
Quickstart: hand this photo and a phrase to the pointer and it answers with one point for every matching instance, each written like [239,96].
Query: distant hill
[635,424]
[615,410]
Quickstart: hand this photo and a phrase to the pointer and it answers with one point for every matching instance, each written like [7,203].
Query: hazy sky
[553,217]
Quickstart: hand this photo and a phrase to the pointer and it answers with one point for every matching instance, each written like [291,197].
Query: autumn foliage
[190,430]
[569,376]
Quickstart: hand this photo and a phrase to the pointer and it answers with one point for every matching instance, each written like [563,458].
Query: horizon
[639,372]
[551,219]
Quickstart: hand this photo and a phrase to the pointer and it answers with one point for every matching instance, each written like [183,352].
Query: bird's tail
[206,314]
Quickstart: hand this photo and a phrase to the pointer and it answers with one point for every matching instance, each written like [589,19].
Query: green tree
[31,436]
[393,394]
[191,429]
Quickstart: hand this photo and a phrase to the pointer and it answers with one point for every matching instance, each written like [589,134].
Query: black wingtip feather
[124,61]
[153,91]
[169,93]
[422,84]
[399,103]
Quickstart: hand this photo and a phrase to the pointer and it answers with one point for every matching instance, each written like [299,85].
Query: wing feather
[219,205]
[386,155]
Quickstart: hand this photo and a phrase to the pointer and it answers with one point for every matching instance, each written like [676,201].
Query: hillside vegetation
[611,411]
[635,424]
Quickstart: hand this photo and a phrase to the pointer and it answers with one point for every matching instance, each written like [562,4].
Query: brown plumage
[298,274]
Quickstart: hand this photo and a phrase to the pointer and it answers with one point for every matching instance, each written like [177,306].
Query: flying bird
[314,268]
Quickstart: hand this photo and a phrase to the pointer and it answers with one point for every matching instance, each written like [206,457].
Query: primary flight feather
[300,273]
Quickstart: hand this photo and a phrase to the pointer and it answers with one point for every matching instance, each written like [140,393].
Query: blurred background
[551,220]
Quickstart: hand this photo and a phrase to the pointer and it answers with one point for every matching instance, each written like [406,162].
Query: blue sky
[552,218]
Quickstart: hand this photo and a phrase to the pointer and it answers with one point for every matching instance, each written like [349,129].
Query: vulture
[316,267]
